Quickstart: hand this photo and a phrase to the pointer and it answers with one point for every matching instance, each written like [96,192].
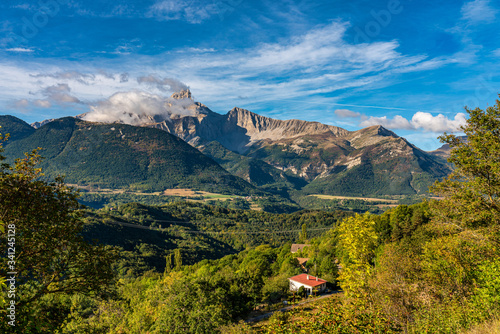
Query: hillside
[121,156]
[290,158]
[285,156]
[146,234]
[380,163]
[253,170]
[16,128]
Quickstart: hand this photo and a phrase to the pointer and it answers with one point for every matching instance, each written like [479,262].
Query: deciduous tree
[356,244]
[472,191]
[51,257]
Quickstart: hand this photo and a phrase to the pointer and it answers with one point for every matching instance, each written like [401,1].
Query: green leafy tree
[357,240]
[168,263]
[51,257]
[472,191]
[303,233]
[178,259]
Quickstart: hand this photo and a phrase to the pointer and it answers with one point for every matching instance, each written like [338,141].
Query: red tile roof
[302,279]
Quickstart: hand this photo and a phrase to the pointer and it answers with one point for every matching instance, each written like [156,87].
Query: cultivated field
[367,199]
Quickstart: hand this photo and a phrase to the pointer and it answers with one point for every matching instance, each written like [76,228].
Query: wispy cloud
[83,78]
[317,62]
[193,11]
[496,53]
[173,85]
[346,113]
[21,50]
[478,11]
[318,65]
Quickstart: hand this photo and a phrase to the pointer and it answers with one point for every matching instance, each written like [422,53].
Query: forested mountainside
[119,156]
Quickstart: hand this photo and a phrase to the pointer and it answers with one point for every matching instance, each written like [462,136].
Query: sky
[411,66]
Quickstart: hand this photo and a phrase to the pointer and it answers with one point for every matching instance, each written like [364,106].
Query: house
[309,283]
[298,247]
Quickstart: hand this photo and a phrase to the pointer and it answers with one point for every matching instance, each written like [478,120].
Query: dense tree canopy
[472,191]
[51,257]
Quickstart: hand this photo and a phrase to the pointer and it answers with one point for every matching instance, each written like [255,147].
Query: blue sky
[409,65]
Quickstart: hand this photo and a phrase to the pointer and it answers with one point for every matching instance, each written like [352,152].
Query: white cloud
[23,50]
[316,47]
[478,11]
[420,121]
[398,122]
[138,107]
[439,123]
[346,113]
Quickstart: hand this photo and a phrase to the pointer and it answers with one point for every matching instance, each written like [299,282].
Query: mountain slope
[288,155]
[14,126]
[255,171]
[380,163]
[294,154]
[124,156]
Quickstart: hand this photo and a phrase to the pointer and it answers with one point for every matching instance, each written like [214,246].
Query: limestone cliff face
[263,128]
[240,129]
[309,150]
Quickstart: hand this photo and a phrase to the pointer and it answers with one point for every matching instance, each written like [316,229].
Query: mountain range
[119,156]
[243,151]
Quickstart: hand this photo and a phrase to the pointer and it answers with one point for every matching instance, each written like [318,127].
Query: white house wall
[295,286]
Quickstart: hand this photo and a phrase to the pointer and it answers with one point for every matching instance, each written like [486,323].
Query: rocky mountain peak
[384,132]
[240,113]
[38,125]
[370,136]
[183,94]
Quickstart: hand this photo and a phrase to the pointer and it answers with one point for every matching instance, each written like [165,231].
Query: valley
[224,235]
[241,153]
[249,167]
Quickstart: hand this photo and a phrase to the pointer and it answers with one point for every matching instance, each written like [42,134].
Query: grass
[491,327]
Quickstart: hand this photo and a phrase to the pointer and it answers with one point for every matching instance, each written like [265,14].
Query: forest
[430,267]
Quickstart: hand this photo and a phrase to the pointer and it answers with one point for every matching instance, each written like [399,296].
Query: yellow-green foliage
[356,244]
[335,315]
